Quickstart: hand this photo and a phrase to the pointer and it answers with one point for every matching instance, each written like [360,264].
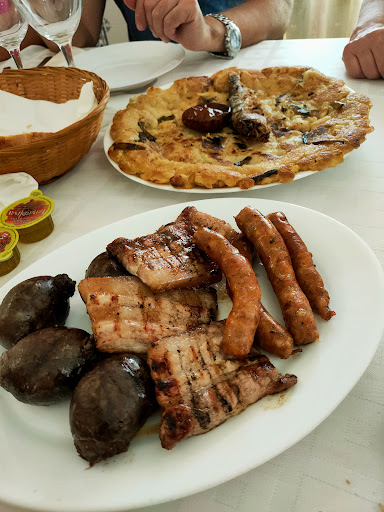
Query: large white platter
[108,141]
[127,66]
[39,466]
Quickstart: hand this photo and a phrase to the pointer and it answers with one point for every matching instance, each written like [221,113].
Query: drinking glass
[56,20]
[12,30]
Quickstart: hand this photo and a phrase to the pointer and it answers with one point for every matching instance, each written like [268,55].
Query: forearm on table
[257,20]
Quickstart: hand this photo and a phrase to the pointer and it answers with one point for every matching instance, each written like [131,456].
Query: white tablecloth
[339,467]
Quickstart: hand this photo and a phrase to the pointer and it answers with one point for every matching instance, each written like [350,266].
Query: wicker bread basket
[48,156]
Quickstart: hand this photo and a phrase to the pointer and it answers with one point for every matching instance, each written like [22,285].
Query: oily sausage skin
[274,255]
[243,320]
[270,335]
[273,337]
[200,219]
[307,276]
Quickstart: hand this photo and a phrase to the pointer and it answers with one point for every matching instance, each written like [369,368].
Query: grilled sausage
[270,335]
[196,218]
[248,123]
[242,322]
[274,255]
[307,276]
[273,337]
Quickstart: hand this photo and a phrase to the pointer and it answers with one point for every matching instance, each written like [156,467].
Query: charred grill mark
[166,386]
[319,136]
[265,174]
[227,407]
[160,365]
[245,161]
[165,118]
[127,146]
[202,416]
[214,143]
[145,135]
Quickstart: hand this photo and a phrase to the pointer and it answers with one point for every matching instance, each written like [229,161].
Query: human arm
[182,21]
[363,56]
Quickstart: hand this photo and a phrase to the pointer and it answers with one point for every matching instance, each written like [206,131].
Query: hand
[178,20]
[363,56]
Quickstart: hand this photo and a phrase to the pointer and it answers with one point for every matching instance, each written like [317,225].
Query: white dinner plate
[108,141]
[40,468]
[126,66]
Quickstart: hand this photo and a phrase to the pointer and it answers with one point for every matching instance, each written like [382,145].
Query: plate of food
[108,142]
[238,129]
[218,415]
[127,66]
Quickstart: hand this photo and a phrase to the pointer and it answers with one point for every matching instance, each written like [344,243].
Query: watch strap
[229,25]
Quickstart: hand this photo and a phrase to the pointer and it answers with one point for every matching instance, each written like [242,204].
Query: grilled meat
[247,121]
[200,219]
[167,259]
[198,388]
[244,318]
[126,316]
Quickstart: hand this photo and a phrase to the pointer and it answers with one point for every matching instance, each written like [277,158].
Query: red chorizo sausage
[307,276]
[274,255]
[243,320]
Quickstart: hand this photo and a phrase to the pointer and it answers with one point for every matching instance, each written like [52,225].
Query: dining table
[339,465]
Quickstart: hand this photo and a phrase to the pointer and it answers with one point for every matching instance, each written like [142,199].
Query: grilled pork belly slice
[167,259]
[198,388]
[126,316]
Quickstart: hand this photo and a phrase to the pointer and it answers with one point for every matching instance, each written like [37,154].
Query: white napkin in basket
[15,186]
[20,115]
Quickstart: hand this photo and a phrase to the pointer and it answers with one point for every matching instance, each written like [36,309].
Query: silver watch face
[235,40]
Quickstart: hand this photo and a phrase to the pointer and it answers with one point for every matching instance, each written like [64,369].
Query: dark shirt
[206,6]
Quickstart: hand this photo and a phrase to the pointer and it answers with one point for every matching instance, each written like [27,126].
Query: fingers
[364,57]
[166,18]
[368,64]
[160,13]
[152,13]
[352,64]
[140,16]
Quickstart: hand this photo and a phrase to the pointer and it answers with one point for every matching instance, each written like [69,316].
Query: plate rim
[174,52]
[367,355]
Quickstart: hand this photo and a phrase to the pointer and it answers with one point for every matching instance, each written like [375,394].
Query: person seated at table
[183,21]
[363,56]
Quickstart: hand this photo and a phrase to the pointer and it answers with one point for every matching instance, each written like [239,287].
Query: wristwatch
[232,38]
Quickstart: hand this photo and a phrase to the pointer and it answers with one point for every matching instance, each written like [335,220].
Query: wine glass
[12,30]
[56,20]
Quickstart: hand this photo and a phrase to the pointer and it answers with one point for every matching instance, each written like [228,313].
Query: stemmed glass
[56,20]
[12,30]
